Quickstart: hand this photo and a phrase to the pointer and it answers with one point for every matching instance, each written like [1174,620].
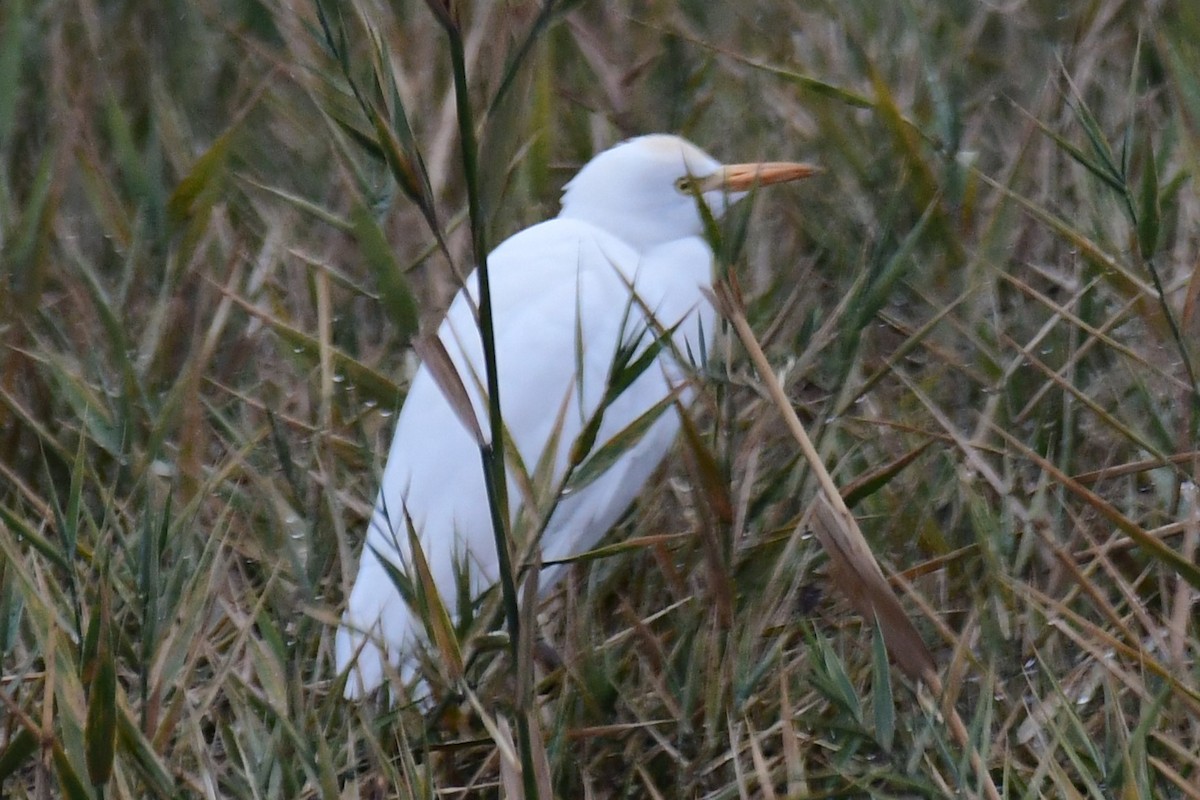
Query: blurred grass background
[212,265]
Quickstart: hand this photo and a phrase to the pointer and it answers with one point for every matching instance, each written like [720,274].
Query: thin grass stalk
[540,24]
[1160,294]
[1145,223]
[492,450]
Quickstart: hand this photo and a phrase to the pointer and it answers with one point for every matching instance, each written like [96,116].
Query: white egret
[624,263]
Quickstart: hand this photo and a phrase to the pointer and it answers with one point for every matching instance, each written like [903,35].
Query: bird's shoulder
[549,269]
[562,247]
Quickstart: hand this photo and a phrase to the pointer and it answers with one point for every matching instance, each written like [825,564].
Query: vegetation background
[214,255]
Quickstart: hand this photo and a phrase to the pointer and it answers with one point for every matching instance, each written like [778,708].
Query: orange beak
[744,177]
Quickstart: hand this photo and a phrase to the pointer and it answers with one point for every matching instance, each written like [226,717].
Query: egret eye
[684,185]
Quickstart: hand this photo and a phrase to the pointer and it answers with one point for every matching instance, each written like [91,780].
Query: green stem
[492,453]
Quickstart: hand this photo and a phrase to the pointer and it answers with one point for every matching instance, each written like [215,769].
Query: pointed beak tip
[743,177]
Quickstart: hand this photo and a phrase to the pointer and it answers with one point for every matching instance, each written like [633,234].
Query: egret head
[644,190]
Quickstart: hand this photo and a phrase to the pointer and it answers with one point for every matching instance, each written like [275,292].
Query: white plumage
[566,293]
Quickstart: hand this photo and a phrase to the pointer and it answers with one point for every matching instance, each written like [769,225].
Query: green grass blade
[882,700]
[395,293]
[100,731]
